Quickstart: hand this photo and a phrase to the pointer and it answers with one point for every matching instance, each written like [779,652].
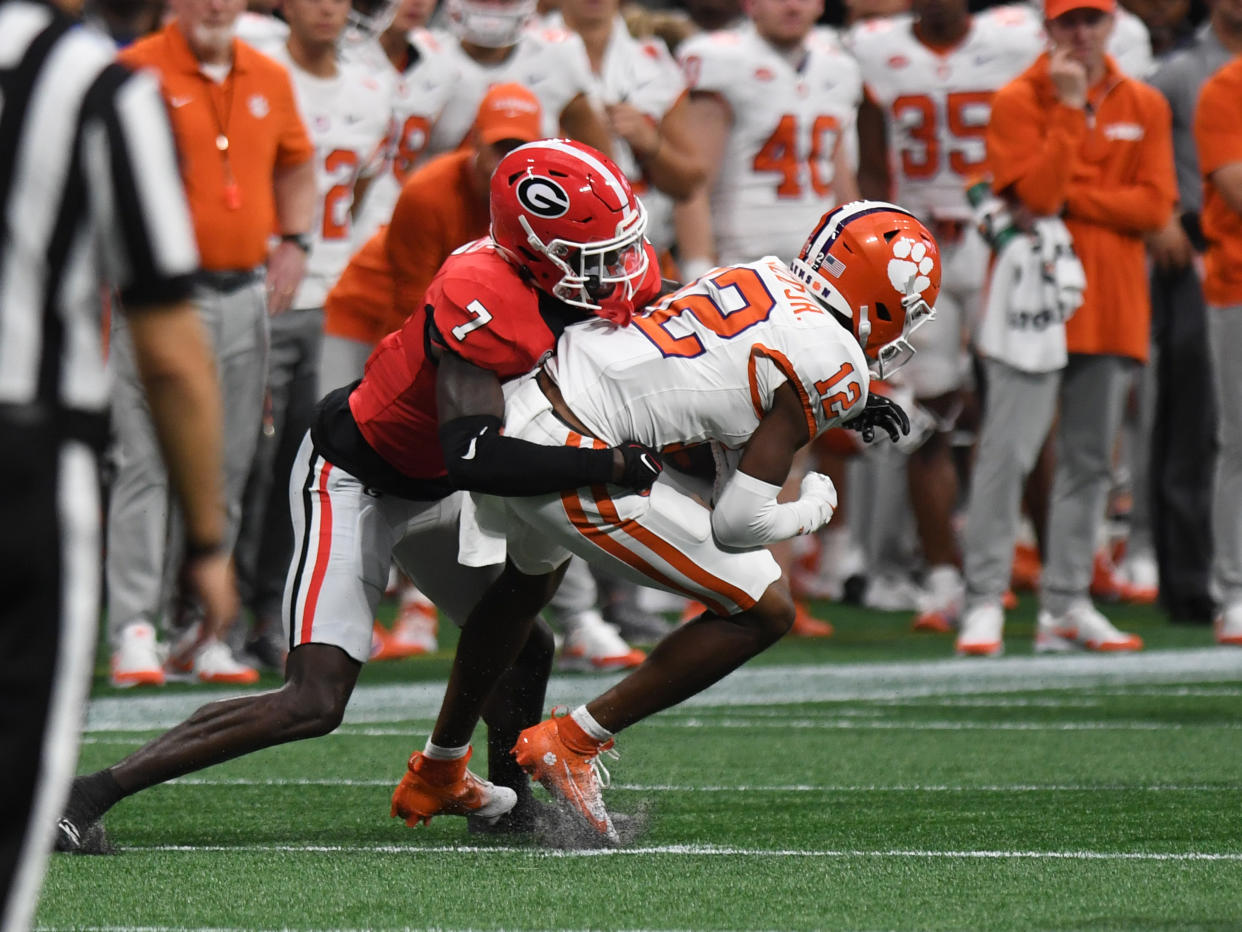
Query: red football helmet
[877,267]
[565,213]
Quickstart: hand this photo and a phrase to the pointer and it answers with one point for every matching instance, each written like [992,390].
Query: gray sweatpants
[1017,412]
[1225,329]
[1093,394]
[144,533]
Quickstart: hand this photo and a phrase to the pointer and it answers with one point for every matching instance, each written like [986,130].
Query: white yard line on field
[761,685]
[772,788]
[698,851]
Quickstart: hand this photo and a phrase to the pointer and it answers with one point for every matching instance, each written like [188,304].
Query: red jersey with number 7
[481,308]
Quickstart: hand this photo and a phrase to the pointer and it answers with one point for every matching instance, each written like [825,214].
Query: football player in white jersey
[393,42]
[756,359]
[929,80]
[347,113]
[770,104]
[497,43]
[643,95]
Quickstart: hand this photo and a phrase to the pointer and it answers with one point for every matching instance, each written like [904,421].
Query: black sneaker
[90,838]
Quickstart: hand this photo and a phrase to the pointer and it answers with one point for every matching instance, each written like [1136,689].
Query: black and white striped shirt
[89,193]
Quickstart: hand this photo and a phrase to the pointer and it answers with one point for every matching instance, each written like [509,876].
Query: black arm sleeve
[479,458]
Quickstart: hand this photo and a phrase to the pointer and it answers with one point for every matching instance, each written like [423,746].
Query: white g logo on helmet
[543,197]
[910,266]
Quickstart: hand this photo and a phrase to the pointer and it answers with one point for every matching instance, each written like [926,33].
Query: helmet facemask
[887,358]
[601,276]
[489,25]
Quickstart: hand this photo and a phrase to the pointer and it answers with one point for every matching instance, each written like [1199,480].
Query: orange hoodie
[437,211]
[1109,174]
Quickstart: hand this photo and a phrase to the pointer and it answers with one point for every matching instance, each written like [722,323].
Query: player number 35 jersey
[704,364]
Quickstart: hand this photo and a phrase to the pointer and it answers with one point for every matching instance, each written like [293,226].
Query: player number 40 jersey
[705,363]
[776,179]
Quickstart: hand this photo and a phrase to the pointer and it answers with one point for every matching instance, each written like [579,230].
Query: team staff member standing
[1072,136]
[246,164]
[1218,134]
[86,163]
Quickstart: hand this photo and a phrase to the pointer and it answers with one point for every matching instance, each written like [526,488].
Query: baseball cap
[508,111]
[1055,8]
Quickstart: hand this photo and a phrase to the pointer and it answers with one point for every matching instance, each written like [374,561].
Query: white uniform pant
[346,535]
[661,539]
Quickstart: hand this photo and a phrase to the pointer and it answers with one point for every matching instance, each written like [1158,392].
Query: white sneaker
[137,661]
[215,663]
[1228,625]
[593,644]
[1139,577]
[981,631]
[837,558]
[1082,627]
[892,594]
[940,604]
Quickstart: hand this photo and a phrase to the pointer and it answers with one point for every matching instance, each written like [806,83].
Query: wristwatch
[301,240]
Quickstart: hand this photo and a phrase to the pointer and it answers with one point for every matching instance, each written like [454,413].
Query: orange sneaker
[565,759]
[1024,576]
[445,787]
[808,626]
[1009,601]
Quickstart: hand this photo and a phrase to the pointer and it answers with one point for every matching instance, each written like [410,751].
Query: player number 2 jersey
[705,363]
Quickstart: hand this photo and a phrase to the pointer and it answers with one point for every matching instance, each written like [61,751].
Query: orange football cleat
[445,787]
[565,759]
[807,625]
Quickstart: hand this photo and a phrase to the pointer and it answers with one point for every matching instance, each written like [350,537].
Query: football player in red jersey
[379,473]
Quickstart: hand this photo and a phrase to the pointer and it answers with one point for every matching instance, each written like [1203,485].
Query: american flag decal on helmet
[833,266]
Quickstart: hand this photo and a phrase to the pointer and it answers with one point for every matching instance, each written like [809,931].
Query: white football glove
[820,494]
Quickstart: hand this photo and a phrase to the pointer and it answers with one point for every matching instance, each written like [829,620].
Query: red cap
[508,111]
[1055,8]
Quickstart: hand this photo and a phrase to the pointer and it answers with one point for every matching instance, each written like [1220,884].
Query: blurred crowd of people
[1067,404]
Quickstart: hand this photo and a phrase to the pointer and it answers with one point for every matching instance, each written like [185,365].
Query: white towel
[1036,285]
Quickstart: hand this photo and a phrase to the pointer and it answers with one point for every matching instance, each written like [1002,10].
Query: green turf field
[866,782]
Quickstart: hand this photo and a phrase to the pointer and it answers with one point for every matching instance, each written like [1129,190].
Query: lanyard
[232,191]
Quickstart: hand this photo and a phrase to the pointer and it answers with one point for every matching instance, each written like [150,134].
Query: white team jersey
[704,365]
[419,96]
[937,103]
[551,63]
[348,119]
[642,73]
[776,178]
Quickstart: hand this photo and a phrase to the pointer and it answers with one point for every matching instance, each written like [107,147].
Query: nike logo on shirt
[469,454]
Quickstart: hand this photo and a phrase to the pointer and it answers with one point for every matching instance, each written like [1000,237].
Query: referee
[89,194]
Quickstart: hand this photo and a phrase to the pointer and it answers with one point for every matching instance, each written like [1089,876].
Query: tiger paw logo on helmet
[910,267]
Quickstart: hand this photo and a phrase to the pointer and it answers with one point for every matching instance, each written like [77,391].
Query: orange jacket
[1218,136]
[437,211]
[1110,175]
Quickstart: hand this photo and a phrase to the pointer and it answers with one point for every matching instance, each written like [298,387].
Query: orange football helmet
[877,268]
